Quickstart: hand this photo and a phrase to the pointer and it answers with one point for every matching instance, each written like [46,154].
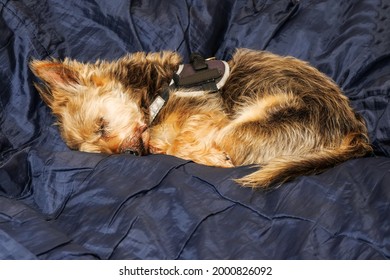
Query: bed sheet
[56,203]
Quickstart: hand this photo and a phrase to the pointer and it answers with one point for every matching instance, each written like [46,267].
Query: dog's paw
[222,159]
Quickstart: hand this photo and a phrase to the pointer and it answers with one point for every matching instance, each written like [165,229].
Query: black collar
[201,74]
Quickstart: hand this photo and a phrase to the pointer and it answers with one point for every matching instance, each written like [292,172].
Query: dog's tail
[286,168]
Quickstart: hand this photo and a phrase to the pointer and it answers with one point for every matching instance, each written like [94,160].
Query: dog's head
[95,111]
[103,106]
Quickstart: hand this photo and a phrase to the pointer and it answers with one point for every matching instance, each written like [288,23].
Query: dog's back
[287,117]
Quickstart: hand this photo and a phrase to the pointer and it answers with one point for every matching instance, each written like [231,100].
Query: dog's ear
[58,77]
[54,73]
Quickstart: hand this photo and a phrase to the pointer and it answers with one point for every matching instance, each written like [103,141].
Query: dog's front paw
[228,161]
[221,159]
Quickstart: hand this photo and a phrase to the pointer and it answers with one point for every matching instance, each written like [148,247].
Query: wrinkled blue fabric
[56,203]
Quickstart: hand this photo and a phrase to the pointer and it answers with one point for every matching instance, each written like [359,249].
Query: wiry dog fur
[276,112]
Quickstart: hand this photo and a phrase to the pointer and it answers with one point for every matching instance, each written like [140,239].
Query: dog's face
[95,111]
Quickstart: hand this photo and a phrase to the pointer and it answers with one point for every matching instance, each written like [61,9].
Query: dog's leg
[192,138]
[278,134]
[187,146]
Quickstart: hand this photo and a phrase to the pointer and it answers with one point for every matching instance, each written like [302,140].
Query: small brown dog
[276,112]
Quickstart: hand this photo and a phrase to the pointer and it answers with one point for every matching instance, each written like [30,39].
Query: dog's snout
[131,152]
[136,144]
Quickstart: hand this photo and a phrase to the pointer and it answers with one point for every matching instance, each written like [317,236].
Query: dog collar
[201,74]
[156,106]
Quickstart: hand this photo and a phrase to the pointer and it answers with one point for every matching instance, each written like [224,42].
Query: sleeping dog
[276,112]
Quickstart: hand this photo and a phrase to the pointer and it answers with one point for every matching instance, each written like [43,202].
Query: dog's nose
[137,149]
[131,152]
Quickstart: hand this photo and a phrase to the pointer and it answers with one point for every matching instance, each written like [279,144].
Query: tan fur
[278,113]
